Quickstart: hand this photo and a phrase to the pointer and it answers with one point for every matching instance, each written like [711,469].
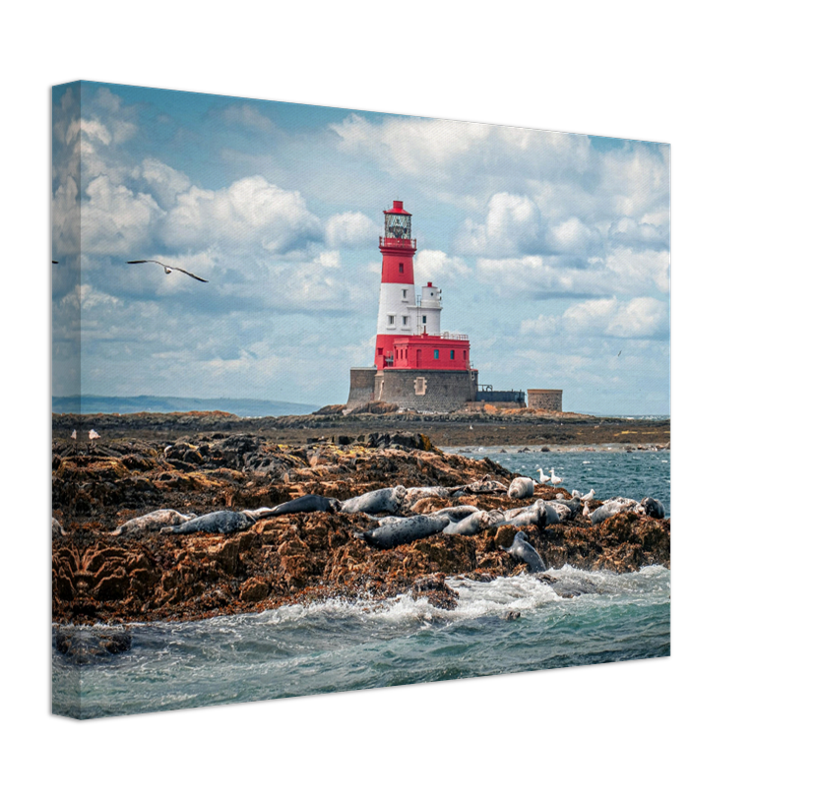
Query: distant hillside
[94,404]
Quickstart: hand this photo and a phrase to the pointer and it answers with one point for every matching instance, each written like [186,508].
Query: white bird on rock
[553,479]
[168,269]
[92,434]
[583,497]
[73,434]
[544,478]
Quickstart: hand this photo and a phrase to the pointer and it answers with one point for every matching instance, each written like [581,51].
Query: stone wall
[546,399]
[362,386]
[426,390]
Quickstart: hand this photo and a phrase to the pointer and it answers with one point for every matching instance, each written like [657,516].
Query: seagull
[554,478]
[618,354]
[73,434]
[54,262]
[92,434]
[544,478]
[168,270]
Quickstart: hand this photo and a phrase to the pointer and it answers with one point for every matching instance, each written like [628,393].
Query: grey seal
[416,493]
[470,525]
[305,504]
[523,551]
[403,531]
[389,500]
[613,507]
[520,488]
[566,509]
[485,485]
[539,513]
[454,513]
[653,508]
[154,521]
[218,522]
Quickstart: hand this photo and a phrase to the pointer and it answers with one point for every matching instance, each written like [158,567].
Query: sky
[552,249]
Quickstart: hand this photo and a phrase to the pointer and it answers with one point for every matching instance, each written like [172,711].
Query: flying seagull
[54,262]
[167,269]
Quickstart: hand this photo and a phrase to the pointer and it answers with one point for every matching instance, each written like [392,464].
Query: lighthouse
[416,364]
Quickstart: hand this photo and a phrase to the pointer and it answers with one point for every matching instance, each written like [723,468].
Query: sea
[345,646]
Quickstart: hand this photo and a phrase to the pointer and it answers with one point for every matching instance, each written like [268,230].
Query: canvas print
[345,400]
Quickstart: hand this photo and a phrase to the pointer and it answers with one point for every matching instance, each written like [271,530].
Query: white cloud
[436,266]
[328,259]
[351,229]
[409,144]
[251,210]
[164,181]
[512,226]
[248,116]
[639,318]
[622,271]
[634,179]
[639,268]
[65,219]
[92,128]
[115,220]
[573,236]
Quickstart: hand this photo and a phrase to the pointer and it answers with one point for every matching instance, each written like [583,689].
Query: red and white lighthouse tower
[408,329]
[417,365]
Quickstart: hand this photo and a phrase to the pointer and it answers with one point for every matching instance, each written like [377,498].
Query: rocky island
[106,572]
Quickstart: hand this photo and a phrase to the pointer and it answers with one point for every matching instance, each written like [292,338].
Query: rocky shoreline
[487,427]
[99,577]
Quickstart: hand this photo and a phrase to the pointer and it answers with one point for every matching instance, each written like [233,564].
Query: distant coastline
[240,407]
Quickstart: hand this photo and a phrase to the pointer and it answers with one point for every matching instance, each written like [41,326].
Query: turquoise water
[339,646]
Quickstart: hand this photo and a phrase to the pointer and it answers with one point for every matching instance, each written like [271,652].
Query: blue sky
[552,249]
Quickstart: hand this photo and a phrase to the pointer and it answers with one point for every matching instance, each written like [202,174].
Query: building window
[379,351]
[435,354]
[465,355]
[391,319]
[424,320]
[404,294]
[401,268]
[404,320]
[452,355]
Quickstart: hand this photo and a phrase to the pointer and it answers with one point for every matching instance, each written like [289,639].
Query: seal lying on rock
[154,521]
[404,531]
[380,500]
[566,509]
[520,488]
[219,522]
[539,513]
[416,493]
[474,523]
[648,506]
[307,503]
[653,508]
[523,551]
[612,507]
[483,486]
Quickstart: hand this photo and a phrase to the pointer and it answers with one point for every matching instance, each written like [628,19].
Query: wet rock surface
[144,574]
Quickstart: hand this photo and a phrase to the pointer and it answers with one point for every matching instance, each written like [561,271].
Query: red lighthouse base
[422,352]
